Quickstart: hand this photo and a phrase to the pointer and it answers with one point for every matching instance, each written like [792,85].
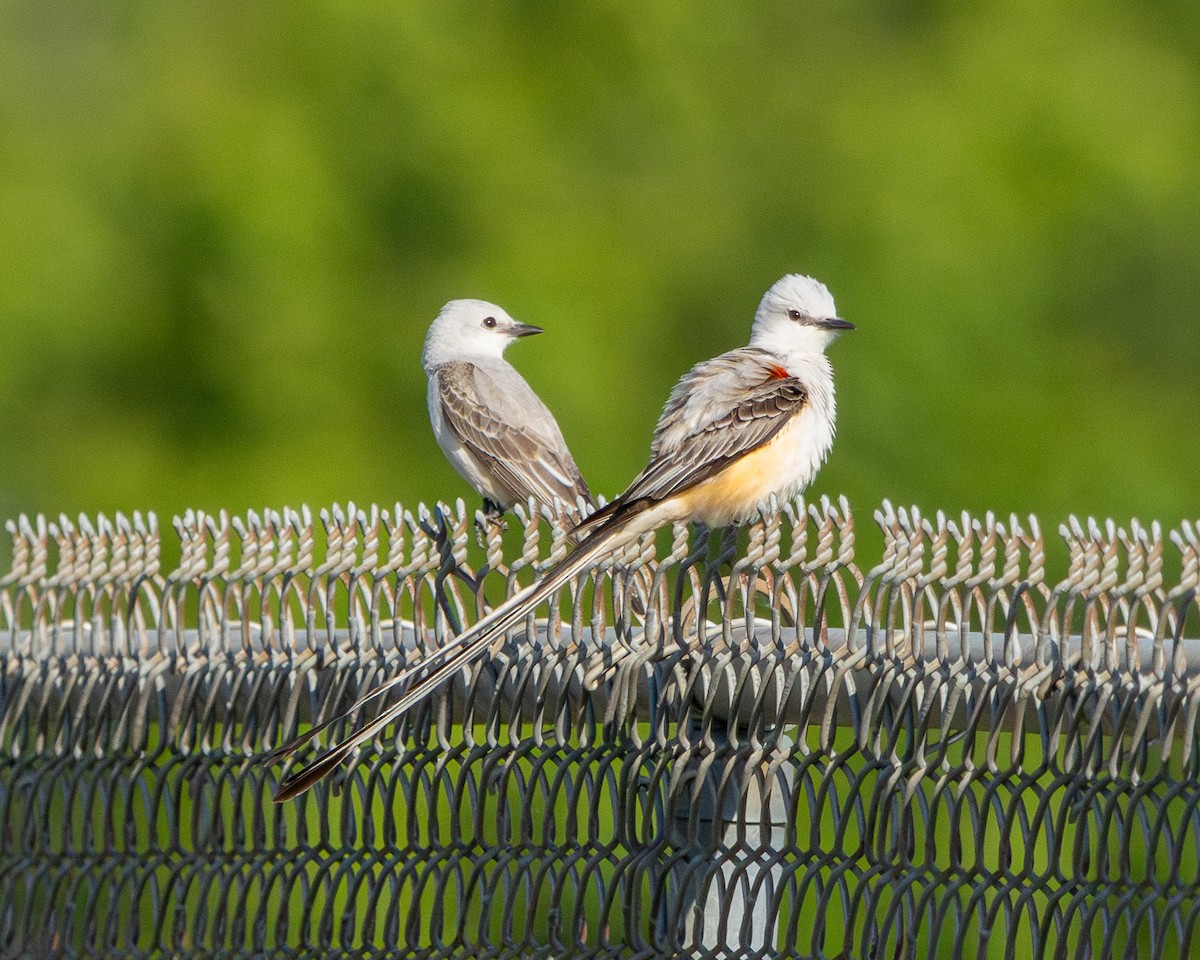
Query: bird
[495,431]
[752,423]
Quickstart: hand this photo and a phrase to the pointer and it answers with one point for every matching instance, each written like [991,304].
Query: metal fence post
[724,819]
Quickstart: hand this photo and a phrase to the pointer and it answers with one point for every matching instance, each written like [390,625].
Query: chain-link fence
[773,752]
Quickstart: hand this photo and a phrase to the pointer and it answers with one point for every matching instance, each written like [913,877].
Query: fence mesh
[773,752]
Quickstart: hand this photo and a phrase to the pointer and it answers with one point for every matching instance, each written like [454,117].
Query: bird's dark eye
[489,322]
[795,314]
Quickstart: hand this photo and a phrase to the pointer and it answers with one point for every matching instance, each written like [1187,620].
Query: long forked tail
[467,647]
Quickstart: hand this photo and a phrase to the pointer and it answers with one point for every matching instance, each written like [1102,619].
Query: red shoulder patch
[777,372]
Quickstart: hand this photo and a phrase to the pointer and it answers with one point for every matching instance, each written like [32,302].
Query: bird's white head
[797,315]
[471,330]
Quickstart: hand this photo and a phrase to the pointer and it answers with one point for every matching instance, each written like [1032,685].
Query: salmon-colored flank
[777,372]
[733,494]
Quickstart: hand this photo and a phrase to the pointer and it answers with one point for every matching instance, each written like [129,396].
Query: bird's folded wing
[745,402]
[502,422]
[749,424]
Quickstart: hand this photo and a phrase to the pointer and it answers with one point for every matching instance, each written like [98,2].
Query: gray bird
[493,428]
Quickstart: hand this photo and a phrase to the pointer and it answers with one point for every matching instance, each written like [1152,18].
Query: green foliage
[228,224]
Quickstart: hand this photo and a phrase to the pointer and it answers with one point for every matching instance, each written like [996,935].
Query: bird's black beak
[836,323]
[525,330]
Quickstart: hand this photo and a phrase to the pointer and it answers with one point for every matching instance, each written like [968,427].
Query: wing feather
[503,423]
[749,425]
[720,411]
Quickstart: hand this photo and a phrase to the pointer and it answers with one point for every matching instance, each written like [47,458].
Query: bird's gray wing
[496,415]
[721,410]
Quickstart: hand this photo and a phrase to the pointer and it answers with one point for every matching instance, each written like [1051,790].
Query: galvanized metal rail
[951,751]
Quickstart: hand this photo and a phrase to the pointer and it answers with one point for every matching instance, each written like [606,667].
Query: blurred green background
[227,225]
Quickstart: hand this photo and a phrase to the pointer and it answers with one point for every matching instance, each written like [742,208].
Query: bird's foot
[491,524]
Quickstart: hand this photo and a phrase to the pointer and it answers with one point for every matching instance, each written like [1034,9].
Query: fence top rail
[357,581]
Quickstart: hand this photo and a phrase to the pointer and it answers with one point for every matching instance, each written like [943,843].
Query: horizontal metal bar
[747,681]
